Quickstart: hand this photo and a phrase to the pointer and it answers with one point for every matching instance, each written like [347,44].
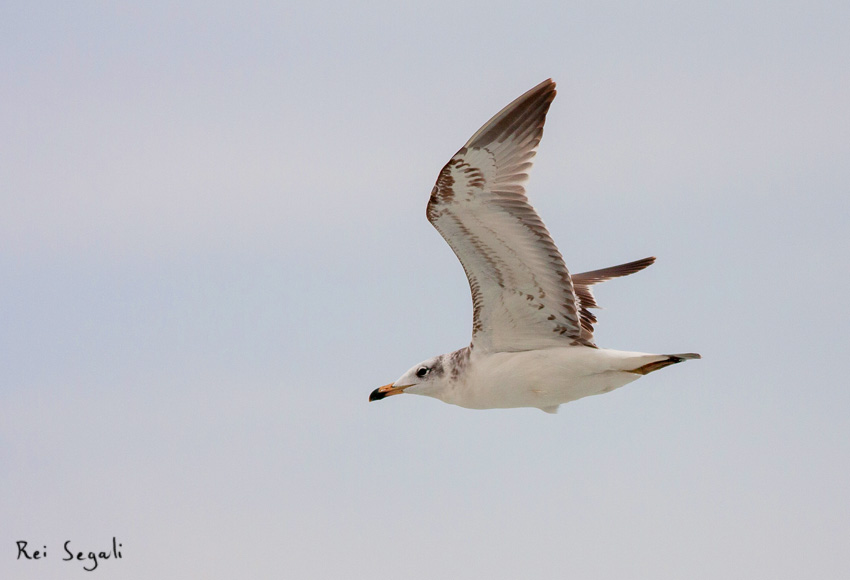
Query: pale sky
[213,247]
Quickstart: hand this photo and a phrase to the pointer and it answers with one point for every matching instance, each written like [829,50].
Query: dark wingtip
[524,115]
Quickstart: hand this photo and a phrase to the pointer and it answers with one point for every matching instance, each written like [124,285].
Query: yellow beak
[386,391]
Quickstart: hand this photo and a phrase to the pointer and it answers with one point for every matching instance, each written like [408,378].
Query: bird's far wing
[582,283]
[522,293]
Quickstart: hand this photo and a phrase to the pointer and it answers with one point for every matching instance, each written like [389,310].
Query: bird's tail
[669,359]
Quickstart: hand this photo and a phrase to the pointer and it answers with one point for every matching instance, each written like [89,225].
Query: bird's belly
[543,378]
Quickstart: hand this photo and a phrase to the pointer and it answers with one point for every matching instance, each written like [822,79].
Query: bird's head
[425,378]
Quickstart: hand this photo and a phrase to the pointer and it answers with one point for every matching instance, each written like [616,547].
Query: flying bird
[532,327]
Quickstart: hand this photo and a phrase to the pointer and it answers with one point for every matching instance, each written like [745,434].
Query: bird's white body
[543,378]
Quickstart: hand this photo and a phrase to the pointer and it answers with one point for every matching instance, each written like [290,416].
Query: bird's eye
[422,371]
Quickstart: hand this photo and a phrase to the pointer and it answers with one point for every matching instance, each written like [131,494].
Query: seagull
[532,328]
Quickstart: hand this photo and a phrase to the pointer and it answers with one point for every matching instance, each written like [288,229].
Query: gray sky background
[213,247]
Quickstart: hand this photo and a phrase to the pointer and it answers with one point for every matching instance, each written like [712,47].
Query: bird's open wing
[522,294]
